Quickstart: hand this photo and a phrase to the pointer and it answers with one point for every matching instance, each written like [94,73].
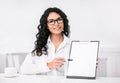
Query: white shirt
[38,64]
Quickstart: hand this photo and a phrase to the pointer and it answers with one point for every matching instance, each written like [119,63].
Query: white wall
[89,20]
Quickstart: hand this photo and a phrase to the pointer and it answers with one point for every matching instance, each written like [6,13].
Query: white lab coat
[38,64]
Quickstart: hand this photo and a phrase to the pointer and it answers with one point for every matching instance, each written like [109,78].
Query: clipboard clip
[70,59]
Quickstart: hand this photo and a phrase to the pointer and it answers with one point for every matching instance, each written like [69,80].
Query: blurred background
[88,19]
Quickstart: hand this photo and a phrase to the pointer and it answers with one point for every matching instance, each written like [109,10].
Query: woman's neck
[56,40]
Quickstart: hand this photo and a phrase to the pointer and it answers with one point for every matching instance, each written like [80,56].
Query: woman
[51,47]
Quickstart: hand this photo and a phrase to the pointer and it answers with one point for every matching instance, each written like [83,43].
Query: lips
[57,28]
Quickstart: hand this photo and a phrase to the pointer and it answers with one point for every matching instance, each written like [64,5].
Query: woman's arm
[34,65]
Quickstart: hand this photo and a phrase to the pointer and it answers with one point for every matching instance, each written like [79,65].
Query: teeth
[57,28]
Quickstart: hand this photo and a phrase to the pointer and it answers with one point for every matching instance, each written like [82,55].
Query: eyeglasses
[52,21]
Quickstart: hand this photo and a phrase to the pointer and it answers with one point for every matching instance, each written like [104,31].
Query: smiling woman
[52,45]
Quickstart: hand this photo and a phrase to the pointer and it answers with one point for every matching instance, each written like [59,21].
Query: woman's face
[55,23]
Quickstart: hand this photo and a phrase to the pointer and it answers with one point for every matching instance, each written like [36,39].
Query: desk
[55,79]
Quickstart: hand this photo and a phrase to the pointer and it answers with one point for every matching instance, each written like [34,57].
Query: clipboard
[82,60]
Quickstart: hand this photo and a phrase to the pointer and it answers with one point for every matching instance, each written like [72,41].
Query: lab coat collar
[66,39]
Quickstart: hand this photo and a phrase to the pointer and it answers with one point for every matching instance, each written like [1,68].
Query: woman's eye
[59,19]
[50,21]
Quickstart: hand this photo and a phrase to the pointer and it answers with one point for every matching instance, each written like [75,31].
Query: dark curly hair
[43,31]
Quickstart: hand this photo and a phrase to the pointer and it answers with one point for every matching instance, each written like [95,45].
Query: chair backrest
[15,60]
[2,62]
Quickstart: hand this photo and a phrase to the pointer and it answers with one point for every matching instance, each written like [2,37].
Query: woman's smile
[57,28]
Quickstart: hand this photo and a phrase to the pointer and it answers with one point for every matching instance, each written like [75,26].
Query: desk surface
[55,79]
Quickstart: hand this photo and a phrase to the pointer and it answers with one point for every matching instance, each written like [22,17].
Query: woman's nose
[56,23]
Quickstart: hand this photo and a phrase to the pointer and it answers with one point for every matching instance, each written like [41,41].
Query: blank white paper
[83,55]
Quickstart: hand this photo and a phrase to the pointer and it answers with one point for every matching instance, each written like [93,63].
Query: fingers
[56,63]
[59,59]
[97,63]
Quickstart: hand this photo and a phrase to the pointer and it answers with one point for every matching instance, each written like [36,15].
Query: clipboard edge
[80,77]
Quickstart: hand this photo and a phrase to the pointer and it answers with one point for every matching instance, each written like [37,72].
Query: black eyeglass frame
[58,20]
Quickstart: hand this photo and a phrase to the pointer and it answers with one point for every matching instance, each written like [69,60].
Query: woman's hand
[97,63]
[56,63]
